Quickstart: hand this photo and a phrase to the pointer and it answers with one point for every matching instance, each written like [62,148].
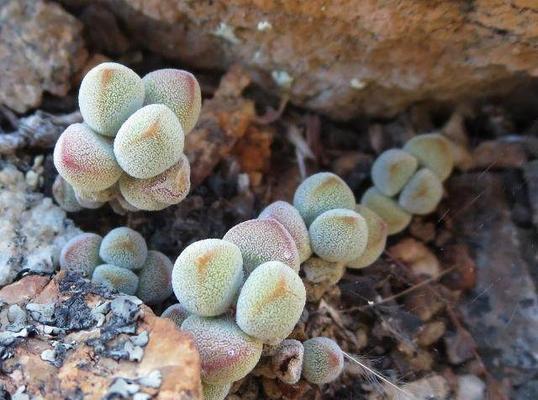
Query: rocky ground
[449,311]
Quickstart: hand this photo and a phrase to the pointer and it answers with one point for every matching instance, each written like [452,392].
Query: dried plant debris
[84,330]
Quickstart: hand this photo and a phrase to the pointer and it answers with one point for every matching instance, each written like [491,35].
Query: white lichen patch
[264,26]
[226,32]
[282,79]
[33,229]
[357,84]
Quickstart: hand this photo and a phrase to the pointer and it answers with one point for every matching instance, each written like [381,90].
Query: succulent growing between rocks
[287,361]
[339,235]
[177,89]
[120,137]
[109,94]
[154,279]
[215,392]
[64,195]
[270,302]
[177,313]
[392,170]
[85,159]
[124,247]
[207,276]
[433,151]
[81,254]
[149,142]
[377,238]
[290,219]
[422,194]
[227,353]
[262,240]
[323,360]
[322,192]
[117,278]
[388,209]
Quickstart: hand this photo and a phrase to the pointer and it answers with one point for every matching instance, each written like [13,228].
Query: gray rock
[502,311]
[41,48]
[470,387]
[33,229]
[530,171]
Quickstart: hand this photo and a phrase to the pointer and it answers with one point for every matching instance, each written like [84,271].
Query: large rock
[348,57]
[32,229]
[41,48]
[68,339]
[502,311]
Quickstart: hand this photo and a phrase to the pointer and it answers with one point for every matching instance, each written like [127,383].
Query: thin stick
[377,375]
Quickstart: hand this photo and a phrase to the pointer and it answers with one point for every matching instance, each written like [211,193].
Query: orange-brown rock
[95,345]
[348,57]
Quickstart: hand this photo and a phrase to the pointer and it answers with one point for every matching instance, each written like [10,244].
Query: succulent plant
[117,278]
[169,187]
[207,276]
[64,195]
[270,302]
[155,278]
[422,193]
[149,142]
[322,192]
[85,159]
[177,89]
[392,170]
[323,360]
[317,270]
[377,238]
[109,94]
[433,151]
[339,235]
[215,392]
[388,209]
[287,361]
[262,240]
[81,254]
[101,196]
[226,352]
[290,218]
[177,313]
[124,247]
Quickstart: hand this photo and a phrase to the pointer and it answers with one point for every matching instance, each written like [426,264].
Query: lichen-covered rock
[323,360]
[149,142]
[64,195]
[155,278]
[227,353]
[85,159]
[124,247]
[290,219]
[41,50]
[167,188]
[108,95]
[177,89]
[207,276]
[422,194]
[270,302]
[116,278]
[262,240]
[322,192]
[433,151]
[377,238]
[339,235]
[396,218]
[132,353]
[392,170]
[33,229]
[81,254]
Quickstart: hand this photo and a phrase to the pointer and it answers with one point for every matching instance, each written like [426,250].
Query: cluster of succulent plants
[409,181]
[129,149]
[121,261]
